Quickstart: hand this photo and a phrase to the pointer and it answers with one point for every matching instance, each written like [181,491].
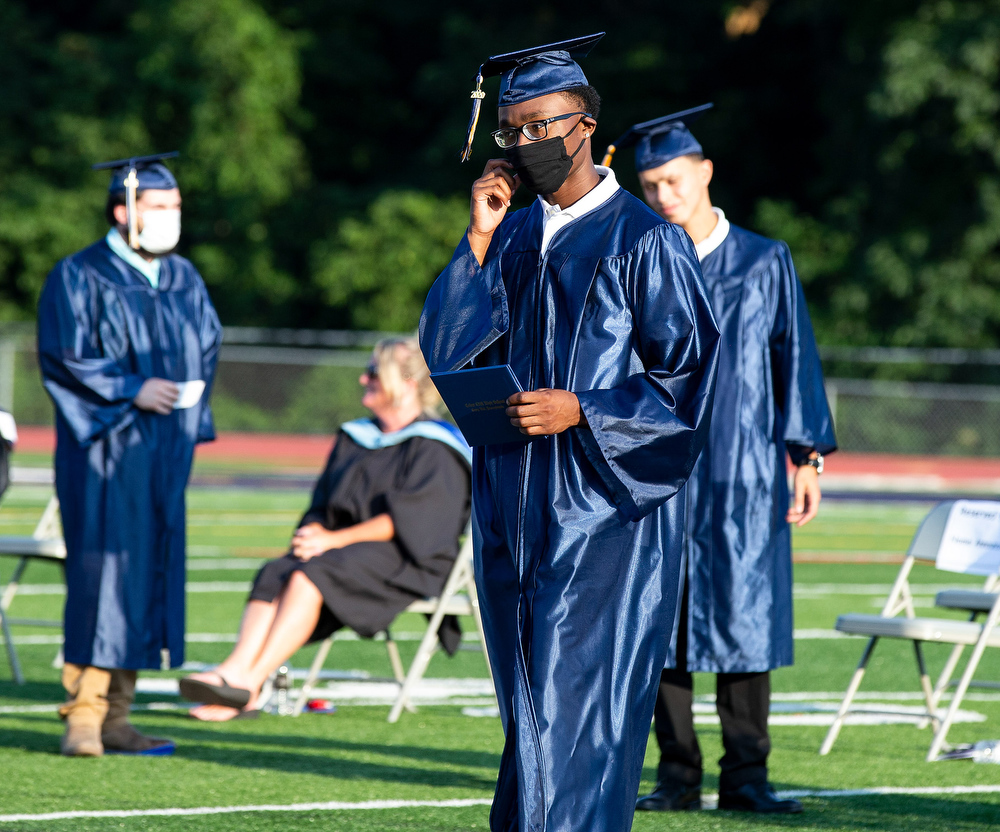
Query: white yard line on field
[872,589]
[461,803]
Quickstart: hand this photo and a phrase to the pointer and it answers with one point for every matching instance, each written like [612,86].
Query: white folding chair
[458,597]
[45,543]
[890,624]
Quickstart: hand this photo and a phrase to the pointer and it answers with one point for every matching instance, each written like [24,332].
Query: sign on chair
[971,540]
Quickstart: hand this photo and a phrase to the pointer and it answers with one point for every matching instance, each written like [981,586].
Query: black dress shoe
[670,798]
[757,797]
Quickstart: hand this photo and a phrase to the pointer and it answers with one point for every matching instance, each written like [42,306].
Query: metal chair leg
[310,680]
[963,684]
[845,706]
[925,686]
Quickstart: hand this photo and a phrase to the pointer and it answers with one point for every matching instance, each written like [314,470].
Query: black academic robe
[423,485]
[121,471]
[577,541]
[770,401]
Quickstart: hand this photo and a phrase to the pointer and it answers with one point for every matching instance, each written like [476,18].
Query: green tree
[380,267]
[219,81]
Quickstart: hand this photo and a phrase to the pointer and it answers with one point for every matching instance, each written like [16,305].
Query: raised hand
[491,195]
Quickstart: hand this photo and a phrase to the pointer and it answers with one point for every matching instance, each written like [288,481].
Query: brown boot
[81,741]
[84,711]
[118,735]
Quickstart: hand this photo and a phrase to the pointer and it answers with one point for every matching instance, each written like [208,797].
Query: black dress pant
[742,700]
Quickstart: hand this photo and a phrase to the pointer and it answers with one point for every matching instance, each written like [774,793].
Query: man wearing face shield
[127,342]
[598,307]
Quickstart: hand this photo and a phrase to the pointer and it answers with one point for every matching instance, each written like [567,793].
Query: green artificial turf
[439,754]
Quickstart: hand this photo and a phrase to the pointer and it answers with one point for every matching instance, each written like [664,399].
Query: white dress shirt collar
[716,238]
[555,218]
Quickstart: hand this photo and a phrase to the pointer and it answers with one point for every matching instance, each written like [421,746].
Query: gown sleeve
[475,302]
[645,435]
[429,502]
[93,392]
[210,338]
[798,374]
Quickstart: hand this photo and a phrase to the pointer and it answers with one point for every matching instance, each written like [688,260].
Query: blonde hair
[398,360]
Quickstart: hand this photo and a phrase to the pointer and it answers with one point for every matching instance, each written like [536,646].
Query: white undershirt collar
[149,270]
[716,238]
[555,218]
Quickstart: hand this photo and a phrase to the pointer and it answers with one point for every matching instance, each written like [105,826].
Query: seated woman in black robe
[382,531]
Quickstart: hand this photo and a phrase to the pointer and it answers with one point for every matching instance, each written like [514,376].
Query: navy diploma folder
[477,399]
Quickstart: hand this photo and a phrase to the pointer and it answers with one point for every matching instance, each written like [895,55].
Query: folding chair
[457,598]
[45,543]
[889,624]
[975,603]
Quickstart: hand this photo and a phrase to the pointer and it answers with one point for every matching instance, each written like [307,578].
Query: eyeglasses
[372,371]
[533,131]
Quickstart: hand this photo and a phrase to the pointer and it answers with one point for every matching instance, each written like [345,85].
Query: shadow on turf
[33,692]
[190,729]
[328,757]
[200,743]
[902,813]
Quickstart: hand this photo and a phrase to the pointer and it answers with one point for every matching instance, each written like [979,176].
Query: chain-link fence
[306,381]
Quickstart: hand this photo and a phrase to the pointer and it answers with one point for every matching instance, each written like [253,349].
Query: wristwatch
[815,462]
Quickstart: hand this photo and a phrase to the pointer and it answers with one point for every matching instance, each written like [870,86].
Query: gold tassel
[477,102]
[608,155]
[131,186]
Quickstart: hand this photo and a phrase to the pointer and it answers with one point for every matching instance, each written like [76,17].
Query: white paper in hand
[971,539]
[189,393]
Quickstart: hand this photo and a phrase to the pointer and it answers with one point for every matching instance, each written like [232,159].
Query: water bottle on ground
[281,689]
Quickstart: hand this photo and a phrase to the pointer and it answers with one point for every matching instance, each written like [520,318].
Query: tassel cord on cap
[477,97]
[131,186]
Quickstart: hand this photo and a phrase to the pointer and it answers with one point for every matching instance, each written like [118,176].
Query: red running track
[307,451]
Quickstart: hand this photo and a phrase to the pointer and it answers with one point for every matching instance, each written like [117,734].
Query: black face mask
[542,166]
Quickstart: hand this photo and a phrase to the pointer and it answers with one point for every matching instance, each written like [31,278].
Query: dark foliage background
[319,142]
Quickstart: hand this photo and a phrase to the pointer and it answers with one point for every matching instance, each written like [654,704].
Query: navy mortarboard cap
[660,140]
[138,173]
[531,73]
[152,175]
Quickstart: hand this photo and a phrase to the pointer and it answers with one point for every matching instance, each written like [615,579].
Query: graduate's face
[548,106]
[678,190]
[150,200]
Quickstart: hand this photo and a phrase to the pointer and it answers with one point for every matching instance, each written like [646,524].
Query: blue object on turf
[164,750]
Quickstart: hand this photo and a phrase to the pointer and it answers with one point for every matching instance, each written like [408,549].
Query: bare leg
[298,612]
[258,616]
[296,619]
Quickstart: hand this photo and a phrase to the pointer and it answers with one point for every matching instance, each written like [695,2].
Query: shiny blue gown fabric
[577,541]
[120,471]
[770,400]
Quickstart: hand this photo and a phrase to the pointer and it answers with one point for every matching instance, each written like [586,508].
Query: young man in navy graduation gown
[127,342]
[598,307]
[736,612]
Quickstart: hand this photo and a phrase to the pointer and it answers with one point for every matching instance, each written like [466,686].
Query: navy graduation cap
[660,139]
[138,173]
[530,73]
